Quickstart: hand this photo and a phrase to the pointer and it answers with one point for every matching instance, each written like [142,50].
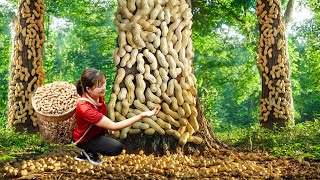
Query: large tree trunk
[154,67]
[276,108]
[166,144]
[26,73]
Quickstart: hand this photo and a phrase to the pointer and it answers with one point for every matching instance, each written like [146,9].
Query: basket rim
[51,115]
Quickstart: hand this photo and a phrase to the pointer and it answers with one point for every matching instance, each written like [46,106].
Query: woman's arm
[110,125]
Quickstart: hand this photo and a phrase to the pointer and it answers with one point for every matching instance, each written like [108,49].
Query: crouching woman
[91,120]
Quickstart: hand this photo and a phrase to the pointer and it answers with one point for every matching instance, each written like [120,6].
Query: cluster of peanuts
[155,39]
[273,63]
[55,98]
[26,73]
[173,166]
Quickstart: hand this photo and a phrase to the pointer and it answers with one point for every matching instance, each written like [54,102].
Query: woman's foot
[92,157]
[81,157]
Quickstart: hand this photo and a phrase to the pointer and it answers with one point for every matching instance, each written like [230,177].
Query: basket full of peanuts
[56,101]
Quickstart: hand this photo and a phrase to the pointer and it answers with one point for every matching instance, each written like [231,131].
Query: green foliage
[85,37]
[3,121]
[6,17]
[13,144]
[229,79]
[210,15]
[224,41]
[304,51]
[301,140]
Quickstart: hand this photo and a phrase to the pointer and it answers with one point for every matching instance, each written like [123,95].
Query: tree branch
[231,12]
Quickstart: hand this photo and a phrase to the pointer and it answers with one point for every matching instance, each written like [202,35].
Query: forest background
[81,33]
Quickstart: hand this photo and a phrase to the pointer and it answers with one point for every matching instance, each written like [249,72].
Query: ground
[214,164]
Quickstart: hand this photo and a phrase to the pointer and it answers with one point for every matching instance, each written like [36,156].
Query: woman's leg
[102,144]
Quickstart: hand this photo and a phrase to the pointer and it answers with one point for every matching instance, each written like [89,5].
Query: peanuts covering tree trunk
[26,73]
[154,67]
[276,106]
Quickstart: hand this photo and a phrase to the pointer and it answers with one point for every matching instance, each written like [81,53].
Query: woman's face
[98,91]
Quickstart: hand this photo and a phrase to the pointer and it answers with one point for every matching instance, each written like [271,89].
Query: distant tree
[276,105]
[6,16]
[306,89]
[224,37]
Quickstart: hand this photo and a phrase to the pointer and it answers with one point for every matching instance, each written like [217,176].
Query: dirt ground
[214,164]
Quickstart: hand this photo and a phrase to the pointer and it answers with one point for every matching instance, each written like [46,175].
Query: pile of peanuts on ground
[216,163]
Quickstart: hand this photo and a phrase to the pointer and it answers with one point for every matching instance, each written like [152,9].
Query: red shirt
[87,114]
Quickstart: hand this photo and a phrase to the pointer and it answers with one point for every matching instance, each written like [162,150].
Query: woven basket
[54,117]
[57,132]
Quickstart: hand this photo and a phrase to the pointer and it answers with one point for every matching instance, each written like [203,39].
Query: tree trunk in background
[154,68]
[26,73]
[276,108]
[289,12]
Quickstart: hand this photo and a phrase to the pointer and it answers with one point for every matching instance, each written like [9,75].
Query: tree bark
[154,67]
[26,72]
[276,100]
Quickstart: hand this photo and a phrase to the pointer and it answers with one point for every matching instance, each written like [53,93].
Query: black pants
[103,145]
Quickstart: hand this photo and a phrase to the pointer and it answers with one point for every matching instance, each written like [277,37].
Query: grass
[15,144]
[301,140]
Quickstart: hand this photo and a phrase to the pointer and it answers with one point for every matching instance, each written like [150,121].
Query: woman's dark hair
[89,78]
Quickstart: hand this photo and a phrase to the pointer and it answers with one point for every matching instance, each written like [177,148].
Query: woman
[91,120]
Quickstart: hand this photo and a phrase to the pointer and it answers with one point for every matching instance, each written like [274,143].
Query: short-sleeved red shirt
[87,114]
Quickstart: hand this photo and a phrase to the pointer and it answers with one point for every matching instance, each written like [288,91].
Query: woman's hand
[154,112]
